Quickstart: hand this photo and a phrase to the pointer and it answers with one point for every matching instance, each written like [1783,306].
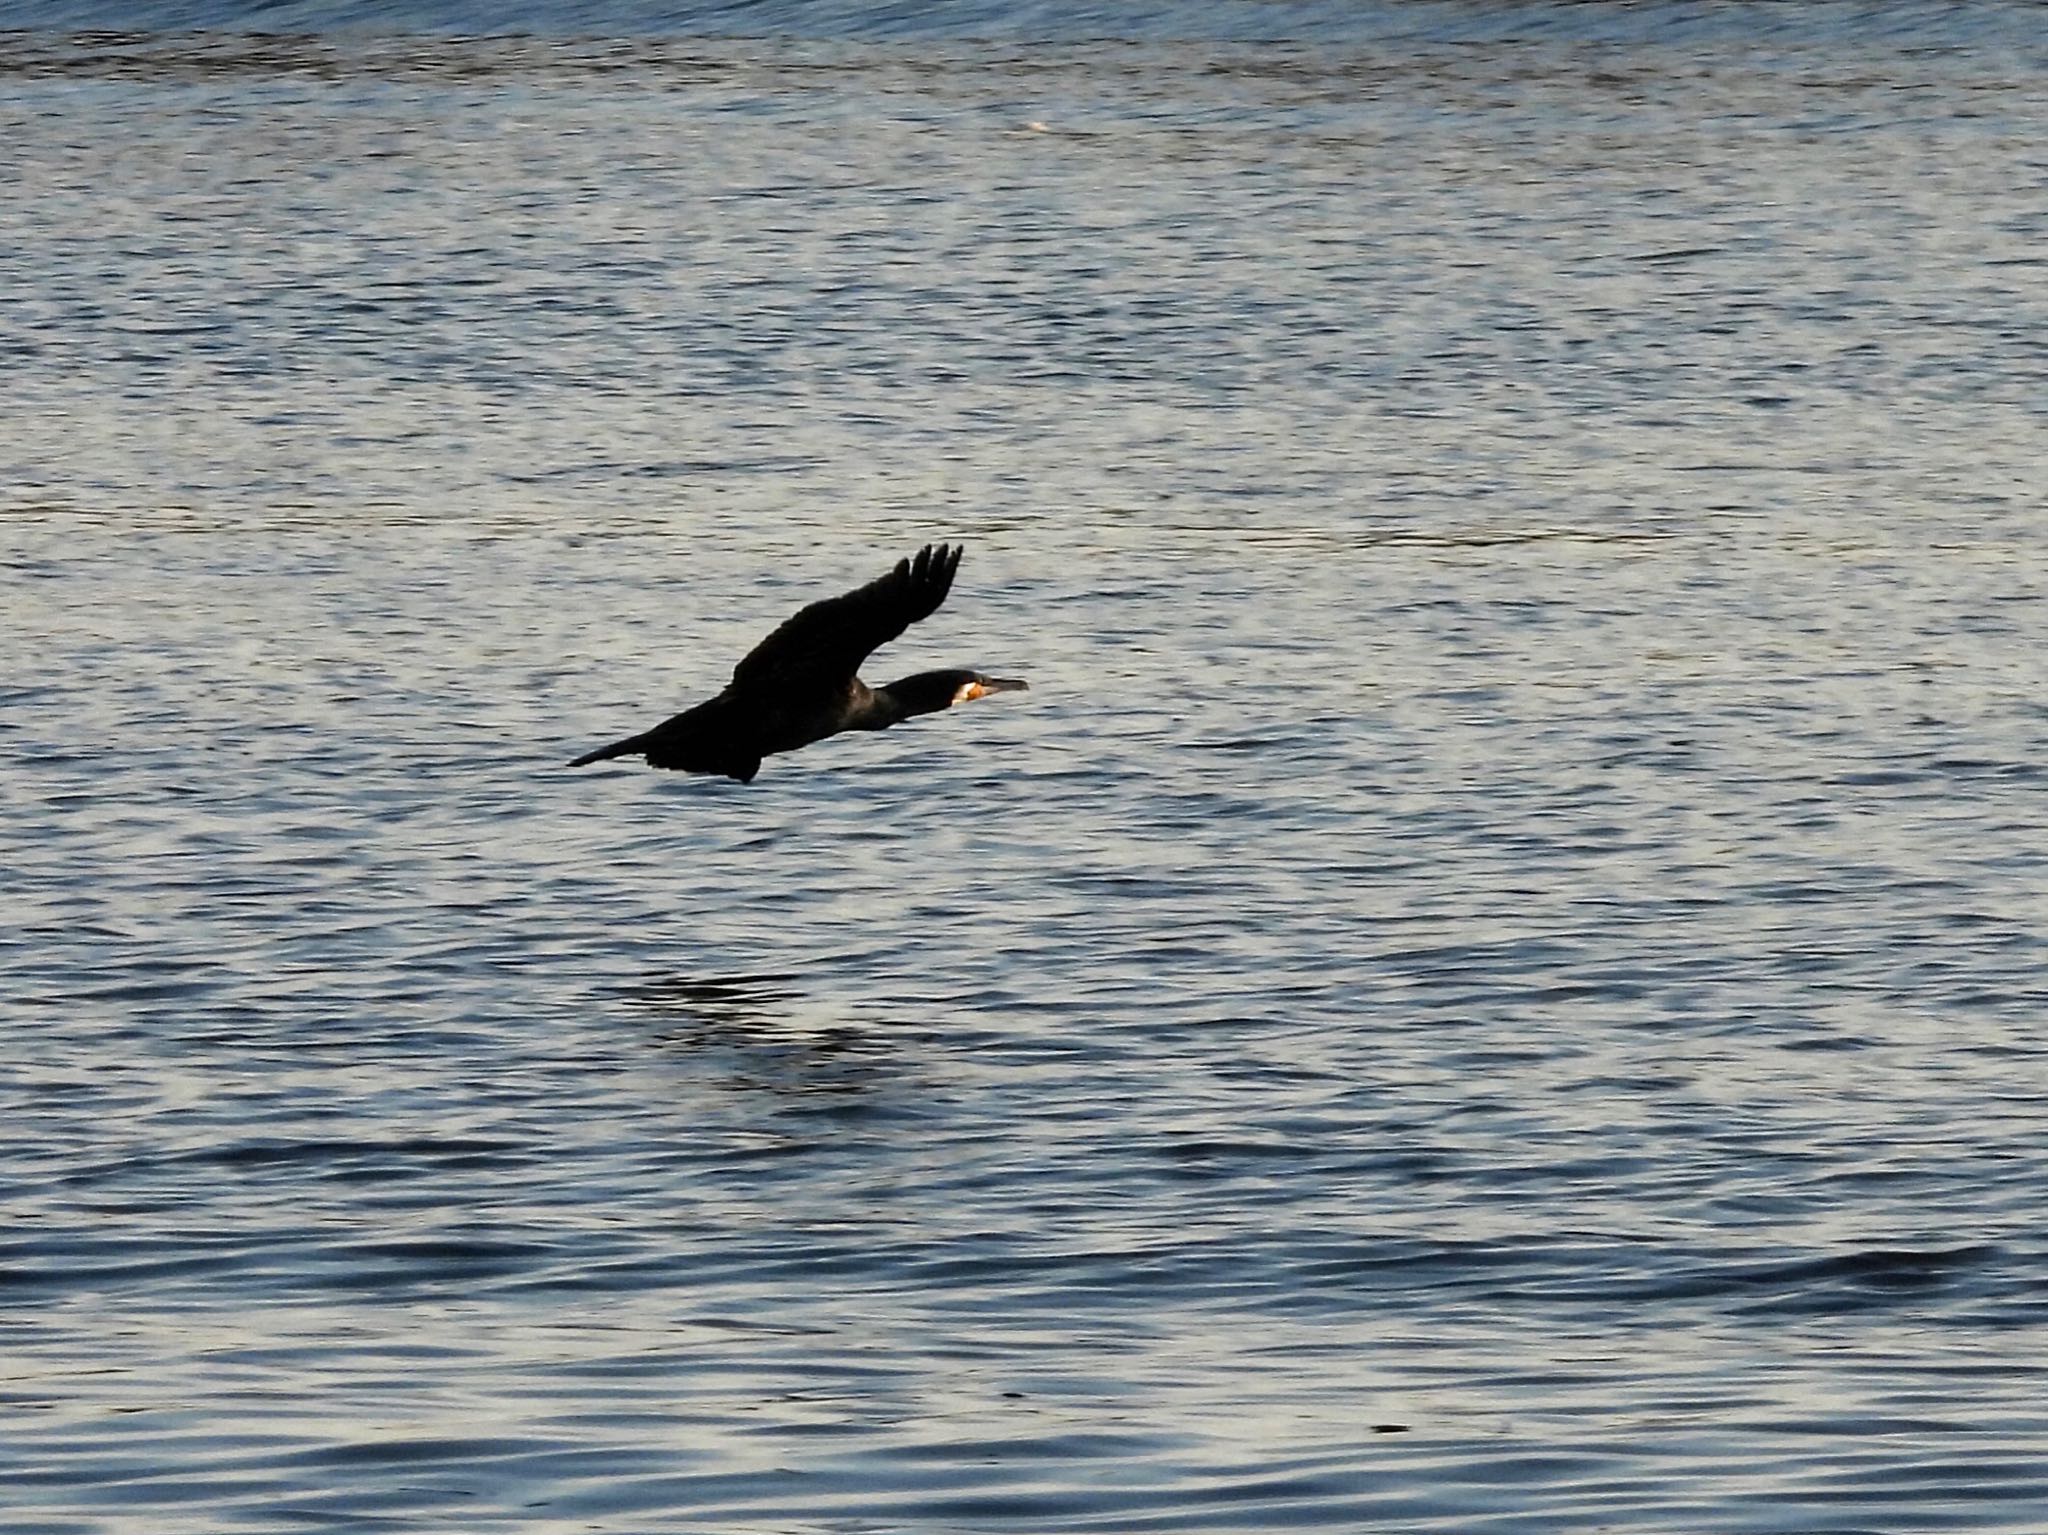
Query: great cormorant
[799,685]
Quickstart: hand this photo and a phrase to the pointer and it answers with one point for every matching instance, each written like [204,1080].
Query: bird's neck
[924,693]
[871,709]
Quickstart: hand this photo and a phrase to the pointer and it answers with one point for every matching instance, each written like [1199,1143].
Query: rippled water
[1494,983]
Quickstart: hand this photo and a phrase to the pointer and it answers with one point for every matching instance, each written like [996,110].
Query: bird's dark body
[800,685]
[730,734]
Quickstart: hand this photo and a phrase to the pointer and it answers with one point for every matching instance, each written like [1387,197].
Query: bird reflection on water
[753,1032]
[734,998]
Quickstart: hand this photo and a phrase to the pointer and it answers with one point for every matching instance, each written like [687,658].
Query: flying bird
[801,684]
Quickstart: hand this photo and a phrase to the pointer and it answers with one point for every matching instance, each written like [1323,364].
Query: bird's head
[929,692]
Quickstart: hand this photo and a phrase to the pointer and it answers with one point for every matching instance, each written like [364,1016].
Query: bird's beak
[988,685]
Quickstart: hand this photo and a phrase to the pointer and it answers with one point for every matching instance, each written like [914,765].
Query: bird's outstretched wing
[827,641]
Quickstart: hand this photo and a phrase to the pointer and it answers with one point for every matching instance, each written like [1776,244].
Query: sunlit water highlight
[1492,984]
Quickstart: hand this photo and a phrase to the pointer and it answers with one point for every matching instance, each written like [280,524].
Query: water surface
[1492,984]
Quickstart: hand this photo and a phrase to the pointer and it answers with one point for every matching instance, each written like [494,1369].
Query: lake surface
[1494,983]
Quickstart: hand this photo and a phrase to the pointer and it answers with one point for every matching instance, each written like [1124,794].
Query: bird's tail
[624,748]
